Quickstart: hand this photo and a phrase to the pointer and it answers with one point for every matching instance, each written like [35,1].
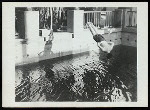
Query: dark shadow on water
[58,80]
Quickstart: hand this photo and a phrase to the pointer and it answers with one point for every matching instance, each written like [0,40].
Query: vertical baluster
[106,20]
[133,21]
[112,14]
[115,18]
[132,15]
[86,17]
[94,18]
[125,15]
[98,19]
[91,17]
[121,18]
[111,19]
[127,18]
[84,20]
[130,19]
[135,18]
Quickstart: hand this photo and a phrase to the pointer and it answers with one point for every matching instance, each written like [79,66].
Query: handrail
[99,18]
[96,11]
[132,11]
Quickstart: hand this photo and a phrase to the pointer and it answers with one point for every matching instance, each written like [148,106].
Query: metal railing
[130,19]
[108,19]
[100,19]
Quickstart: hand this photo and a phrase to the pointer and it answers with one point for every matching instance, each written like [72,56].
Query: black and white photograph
[76,53]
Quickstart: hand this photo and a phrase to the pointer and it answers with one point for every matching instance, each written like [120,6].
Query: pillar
[75,21]
[31,21]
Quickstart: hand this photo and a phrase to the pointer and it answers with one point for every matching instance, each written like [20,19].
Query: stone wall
[129,39]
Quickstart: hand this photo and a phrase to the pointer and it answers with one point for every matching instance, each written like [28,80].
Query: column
[75,21]
[32,32]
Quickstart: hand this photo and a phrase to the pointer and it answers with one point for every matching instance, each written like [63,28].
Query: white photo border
[8,54]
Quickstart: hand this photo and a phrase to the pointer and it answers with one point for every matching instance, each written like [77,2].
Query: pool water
[88,76]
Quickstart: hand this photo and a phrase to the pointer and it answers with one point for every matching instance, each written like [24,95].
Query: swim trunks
[98,38]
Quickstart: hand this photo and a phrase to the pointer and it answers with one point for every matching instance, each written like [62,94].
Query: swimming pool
[84,77]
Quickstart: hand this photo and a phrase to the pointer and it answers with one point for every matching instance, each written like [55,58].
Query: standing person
[51,36]
[48,45]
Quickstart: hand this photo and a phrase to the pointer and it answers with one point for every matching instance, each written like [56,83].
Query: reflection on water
[87,77]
